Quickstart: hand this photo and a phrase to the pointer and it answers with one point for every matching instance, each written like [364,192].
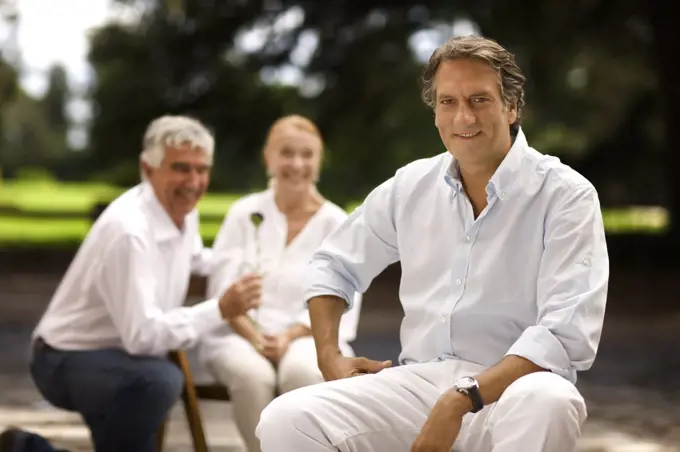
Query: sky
[55,31]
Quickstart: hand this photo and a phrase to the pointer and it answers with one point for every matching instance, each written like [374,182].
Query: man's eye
[182,168]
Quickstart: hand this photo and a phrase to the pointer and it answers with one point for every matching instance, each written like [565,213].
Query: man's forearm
[495,380]
[325,313]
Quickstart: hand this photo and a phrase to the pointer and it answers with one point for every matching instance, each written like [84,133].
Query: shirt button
[467,238]
[459,282]
[502,195]
[442,319]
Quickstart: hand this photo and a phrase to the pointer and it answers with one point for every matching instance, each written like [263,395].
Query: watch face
[466,383]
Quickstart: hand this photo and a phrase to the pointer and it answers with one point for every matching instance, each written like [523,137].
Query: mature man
[504,283]
[99,349]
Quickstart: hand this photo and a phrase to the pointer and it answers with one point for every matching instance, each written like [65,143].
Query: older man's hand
[241,297]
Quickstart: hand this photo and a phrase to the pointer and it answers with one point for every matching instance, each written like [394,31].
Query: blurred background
[81,79]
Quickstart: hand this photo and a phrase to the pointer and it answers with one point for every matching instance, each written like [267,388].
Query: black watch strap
[475,397]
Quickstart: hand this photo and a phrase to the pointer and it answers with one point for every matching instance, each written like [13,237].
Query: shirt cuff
[321,280]
[206,316]
[327,291]
[540,346]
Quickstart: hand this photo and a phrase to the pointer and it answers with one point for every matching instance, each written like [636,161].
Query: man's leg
[251,380]
[540,412]
[379,413]
[124,399]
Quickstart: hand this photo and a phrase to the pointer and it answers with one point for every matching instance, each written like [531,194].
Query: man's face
[180,181]
[472,120]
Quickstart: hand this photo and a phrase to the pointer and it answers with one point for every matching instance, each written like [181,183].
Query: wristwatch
[470,387]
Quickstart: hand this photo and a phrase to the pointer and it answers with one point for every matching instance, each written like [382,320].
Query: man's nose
[466,115]
[193,179]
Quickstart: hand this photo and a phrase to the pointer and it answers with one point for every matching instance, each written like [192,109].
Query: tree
[55,100]
[591,93]
[29,140]
[665,47]
[8,74]
[168,65]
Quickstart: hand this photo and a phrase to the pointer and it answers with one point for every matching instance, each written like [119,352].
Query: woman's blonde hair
[298,122]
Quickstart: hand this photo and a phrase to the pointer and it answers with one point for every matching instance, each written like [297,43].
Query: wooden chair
[192,392]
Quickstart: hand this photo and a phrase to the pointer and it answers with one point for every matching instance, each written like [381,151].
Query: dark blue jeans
[124,399]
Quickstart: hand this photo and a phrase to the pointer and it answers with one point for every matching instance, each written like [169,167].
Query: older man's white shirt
[127,283]
[528,277]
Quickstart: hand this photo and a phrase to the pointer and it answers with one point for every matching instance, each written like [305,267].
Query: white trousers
[541,412]
[253,380]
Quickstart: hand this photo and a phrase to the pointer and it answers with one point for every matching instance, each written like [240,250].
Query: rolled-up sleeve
[358,250]
[572,288]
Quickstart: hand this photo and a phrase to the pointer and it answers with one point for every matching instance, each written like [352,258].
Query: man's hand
[241,297]
[337,367]
[275,346]
[443,424]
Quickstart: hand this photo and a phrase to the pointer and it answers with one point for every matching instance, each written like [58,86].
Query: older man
[99,349]
[504,283]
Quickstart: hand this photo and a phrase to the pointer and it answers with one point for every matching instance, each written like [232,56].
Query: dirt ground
[632,391]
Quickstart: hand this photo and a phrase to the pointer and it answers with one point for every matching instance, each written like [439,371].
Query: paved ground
[633,391]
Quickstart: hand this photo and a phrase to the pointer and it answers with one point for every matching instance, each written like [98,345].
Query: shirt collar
[164,229]
[452,176]
[501,181]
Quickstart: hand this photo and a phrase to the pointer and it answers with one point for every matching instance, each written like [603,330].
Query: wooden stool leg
[191,403]
[160,437]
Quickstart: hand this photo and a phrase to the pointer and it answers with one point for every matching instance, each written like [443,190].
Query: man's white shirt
[527,277]
[128,281]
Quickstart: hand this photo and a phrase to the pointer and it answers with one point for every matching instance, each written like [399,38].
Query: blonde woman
[274,233]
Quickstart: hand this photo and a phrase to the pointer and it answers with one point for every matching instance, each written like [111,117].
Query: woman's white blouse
[235,252]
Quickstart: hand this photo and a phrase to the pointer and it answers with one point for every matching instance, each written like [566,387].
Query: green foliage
[8,82]
[28,138]
[55,99]
[182,57]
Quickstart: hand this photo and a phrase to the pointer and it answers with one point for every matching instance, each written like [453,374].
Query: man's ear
[146,169]
[512,114]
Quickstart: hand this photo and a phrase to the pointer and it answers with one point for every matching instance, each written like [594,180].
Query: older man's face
[181,180]
[472,120]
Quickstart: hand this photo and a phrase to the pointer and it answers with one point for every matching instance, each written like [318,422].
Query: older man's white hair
[175,131]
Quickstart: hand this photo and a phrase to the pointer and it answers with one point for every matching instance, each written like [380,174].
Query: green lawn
[59,231]
[50,196]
